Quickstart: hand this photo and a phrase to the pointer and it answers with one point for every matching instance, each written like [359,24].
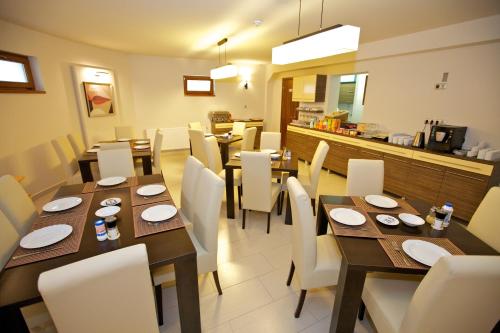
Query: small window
[198,86]
[348,78]
[15,73]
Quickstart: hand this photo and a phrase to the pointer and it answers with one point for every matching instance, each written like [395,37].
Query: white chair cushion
[236,175]
[328,258]
[275,191]
[187,222]
[306,183]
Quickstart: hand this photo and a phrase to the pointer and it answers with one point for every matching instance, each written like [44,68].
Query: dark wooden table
[143,154]
[224,146]
[291,166]
[362,255]
[18,285]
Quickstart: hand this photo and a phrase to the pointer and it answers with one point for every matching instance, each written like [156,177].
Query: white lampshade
[326,43]
[224,72]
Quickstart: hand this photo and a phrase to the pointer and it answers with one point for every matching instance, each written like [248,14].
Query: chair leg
[268,221]
[239,197]
[303,293]
[243,223]
[278,210]
[217,284]
[313,204]
[159,304]
[282,199]
[290,275]
[361,311]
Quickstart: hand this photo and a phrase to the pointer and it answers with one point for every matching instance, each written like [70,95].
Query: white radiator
[173,137]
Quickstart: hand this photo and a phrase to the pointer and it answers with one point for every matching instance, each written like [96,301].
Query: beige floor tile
[243,269]
[275,284]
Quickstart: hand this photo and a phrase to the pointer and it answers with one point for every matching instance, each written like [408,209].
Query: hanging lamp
[226,71]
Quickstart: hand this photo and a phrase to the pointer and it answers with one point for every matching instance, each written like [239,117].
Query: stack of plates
[141,142]
[142,146]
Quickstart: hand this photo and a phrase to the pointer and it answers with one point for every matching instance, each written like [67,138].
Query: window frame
[210,93]
[9,86]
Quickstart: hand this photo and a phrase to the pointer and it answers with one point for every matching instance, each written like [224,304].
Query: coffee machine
[446,138]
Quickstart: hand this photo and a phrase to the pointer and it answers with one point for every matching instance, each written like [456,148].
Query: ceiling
[191,28]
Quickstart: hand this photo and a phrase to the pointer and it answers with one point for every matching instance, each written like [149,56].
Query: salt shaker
[439,220]
[113,232]
[100,230]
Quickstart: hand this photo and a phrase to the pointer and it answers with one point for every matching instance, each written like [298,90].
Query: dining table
[361,255]
[18,284]
[224,142]
[289,165]
[89,157]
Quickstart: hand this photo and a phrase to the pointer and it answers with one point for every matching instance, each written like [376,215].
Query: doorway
[288,107]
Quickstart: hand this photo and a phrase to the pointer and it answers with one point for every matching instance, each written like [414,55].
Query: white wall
[357,105]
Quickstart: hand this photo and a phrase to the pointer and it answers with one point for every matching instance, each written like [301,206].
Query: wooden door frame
[283,118]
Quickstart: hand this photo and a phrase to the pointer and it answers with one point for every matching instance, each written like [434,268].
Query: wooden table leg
[321,220]
[288,214]
[229,193]
[347,298]
[147,169]
[188,298]
[224,153]
[85,171]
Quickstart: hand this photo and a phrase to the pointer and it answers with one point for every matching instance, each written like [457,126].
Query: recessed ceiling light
[257,22]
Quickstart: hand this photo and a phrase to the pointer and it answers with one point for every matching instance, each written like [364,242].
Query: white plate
[387,219]
[275,156]
[107,211]
[46,236]
[62,204]
[424,252]
[237,154]
[140,142]
[96,145]
[142,147]
[111,181]
[111,202]
[347,216]
[381,201]
[150,190]
[93,150]
[123,139]
[159,213]
[411,220]
[269,151]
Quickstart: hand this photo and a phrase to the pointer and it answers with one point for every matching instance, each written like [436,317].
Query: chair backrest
[197,139]
[76,141]
[316,165]
[248,141]
[66,155]
[195,125]
[212,151]
[9,238]
[16,204]
[114,145]
[485,223]
[192,170]
[115,162]
[238,128]
[124,132]
[207,204]
[157,149]
[256,180]
[110,292]
[303,230]
[365,177]
[270,140]
[459,294]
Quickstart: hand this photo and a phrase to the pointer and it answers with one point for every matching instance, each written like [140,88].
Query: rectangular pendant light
[324,43]
[224,72]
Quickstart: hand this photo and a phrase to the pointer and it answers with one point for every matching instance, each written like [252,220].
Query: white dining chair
[124,132]
[260,193]
[197,140]
[16,204]
[459,294]
[315,258]
[9,239]
[116,162]
[270,140]
[485,223]
[76,141]
[109,293]
[215,164]
[190,177]
[365,177]
[196,125]
[157,152]
[238,128]
[114,145]
[248,141]
[310,179]
[68,160]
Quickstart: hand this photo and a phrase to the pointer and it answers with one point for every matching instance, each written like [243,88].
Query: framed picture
[99,99]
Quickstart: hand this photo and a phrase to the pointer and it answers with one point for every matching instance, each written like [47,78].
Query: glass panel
[11,71]
[198,85]
[348,78]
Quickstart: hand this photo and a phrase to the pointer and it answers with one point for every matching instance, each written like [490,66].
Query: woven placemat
[366,230]
[93,187]
[81,209]
[398,257]
[144,228]
[138,200]
[403,207]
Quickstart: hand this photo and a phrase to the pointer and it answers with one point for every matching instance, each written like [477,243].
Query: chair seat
[184,218]
[387,297]
[236,175]
[328,258]
[306,184]
[275,191]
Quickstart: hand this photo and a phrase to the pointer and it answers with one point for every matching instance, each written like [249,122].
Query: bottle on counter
[448,208]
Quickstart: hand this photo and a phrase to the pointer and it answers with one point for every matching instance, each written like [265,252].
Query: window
[198,86]
[15,73]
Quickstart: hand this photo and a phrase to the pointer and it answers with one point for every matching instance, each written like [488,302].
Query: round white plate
[107,211]
[381,201]
[141,142]
[269,151]
[237,154]
[111,181]
[111,202]
[347,216]
[150,190]
[387,219]
[275,156]
[93,150]
[123,139]
[142,147]
[46,236]
[62,204]
[411,220]
[424,252]
[159,213]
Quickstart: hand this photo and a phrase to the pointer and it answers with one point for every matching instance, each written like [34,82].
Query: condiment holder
[109,216]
